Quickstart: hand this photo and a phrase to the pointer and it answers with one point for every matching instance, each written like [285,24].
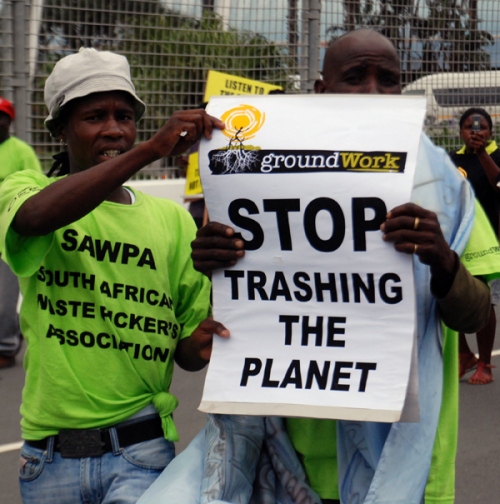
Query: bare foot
[483,374]
[467,362]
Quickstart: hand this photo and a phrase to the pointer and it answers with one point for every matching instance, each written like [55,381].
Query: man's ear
[319,86]
[58,131]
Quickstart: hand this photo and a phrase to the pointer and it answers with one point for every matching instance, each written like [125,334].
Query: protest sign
[193,182]
[219,83]
[321,310]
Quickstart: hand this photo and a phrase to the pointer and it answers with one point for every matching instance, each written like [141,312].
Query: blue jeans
[117,477]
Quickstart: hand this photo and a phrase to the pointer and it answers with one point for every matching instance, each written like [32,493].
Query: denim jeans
[233,446]
[117,477]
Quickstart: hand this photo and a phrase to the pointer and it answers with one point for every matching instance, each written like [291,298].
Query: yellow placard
[219,83]
[193,181]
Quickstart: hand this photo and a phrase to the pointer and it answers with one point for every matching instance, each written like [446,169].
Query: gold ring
[416,223]
[415,247]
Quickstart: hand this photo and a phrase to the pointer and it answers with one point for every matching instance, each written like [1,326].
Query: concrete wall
[169,188]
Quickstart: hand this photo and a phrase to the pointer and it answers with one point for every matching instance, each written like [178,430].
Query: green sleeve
[481,256]
[23,254]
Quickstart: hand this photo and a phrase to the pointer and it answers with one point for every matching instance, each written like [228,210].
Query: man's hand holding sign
[216,247]
[414,230]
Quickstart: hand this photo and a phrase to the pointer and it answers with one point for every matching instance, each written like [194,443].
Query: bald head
[361,61]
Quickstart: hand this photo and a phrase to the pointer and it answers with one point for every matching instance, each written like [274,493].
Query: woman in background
[479,161]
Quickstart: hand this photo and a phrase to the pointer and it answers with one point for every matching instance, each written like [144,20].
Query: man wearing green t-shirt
[376,458]
[15,155]
[110,295]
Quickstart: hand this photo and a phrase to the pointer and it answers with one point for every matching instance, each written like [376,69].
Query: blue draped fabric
[244,460]
[381,463]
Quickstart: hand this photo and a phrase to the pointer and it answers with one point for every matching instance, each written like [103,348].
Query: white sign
[321,310]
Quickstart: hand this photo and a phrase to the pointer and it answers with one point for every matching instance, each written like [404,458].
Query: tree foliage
[177,55]
[445,38]
[169,53]
[89,23]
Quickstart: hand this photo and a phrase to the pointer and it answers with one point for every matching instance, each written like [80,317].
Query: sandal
[483,374]
[467,362]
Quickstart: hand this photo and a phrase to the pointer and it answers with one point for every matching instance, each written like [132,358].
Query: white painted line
[495,353]
[11,447]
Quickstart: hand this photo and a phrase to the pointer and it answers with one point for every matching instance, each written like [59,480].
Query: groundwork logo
[244,121]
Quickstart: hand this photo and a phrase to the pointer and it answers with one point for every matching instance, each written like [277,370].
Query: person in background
[479,161]
[110,295]
[15,155]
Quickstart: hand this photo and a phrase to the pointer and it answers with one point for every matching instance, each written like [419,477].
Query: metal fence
[450,51]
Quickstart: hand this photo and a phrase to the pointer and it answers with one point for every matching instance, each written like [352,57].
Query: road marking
[495,353]
[11,447]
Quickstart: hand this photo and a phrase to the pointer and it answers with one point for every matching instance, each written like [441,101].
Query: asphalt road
[477,479]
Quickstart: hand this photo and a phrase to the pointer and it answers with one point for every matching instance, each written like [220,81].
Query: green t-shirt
[16,155]
[315,441]
[481,257]
[105,301]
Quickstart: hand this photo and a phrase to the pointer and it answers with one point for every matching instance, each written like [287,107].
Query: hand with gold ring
[415,230]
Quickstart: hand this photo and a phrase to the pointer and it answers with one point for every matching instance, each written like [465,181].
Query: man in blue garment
[377,462]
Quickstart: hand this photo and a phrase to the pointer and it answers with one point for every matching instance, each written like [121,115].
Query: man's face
[4,126]
[98,127]
[361,62]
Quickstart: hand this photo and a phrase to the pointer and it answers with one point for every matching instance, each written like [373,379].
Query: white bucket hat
[83,73]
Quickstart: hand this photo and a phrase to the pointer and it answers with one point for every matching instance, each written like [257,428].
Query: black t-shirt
[487,196]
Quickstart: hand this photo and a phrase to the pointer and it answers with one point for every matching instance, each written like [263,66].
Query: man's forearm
[466,307]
